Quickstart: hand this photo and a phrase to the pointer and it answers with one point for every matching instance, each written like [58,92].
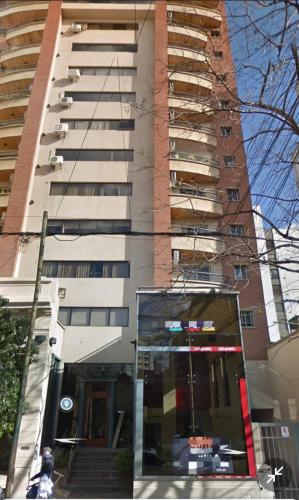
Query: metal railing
[192,126]
[18,47]
[10,153]
[195,158]
[12,123]
[14,95]
[194,191]
[194,231]
[197,273]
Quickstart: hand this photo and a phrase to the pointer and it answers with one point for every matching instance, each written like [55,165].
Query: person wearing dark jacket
[45,488]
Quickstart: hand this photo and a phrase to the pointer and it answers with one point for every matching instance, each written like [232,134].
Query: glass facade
[190,387]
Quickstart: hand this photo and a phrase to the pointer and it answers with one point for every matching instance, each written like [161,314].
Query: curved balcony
[14,79]
[201,245]
[202,168]
[189,83]
[13,104]
[183,58]
[7,164]
[20,56]
[194,15]
[194,3]
[184,131]
[18,13]
[186,35]
[10,133]
[193,200]
[189,107]
[26,34]
[195,275]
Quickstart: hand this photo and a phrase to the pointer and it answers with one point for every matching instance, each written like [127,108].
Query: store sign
[190,326]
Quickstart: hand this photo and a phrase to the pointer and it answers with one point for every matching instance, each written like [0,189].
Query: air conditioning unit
[170,16]
[175,256]
[66,102]
[171,115]
[74,74]
[171,87]
[76,28]
[61,129]
[56,162]
[172,146]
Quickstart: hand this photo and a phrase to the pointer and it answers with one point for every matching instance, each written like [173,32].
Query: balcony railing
[194,272]
[14,95]
[194,191]
[195,27]
[8,71]
[193,231]
[194,158]
[12,123]
[4,190]
[199,74]
[10,153]
[182,46]
[18,47]
[14,28]
[192,126]
[5,4]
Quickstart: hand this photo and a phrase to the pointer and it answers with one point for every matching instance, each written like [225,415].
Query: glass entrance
[96,419]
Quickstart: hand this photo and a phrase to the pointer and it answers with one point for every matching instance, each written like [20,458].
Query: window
[197,273]
[279,306]
[274,273]
[215,34]
[229,161]
[99,124]
[90,189]
[104,47]
[94,316]
[105,71]
[233,194]
[218,54]
[226,131]
[247,319]
[102,96]
[55,226]
[221,78]
[240,271]
[96,154]
[85,269]
[237,230]
[112,26]
[224,103]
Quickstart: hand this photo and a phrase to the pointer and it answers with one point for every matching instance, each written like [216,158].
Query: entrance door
[96,421]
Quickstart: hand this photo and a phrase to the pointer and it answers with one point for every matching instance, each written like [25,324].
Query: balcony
[185,131]
[4,195]
[186,59]
[197,274]
[26,33]
[202,168]
[191,106]
[10,133]
[13,57]
[190,200]
[190,84]
[13,104]
[16,79]
[212,4]
[7,164]
[20,13]
[196,245]
[190,36]
[184,13]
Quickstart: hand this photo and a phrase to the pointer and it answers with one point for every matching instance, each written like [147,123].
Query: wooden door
[96,420]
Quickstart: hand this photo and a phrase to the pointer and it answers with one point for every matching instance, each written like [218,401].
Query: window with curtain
[88,226]
[86,269]
[104,47]
[75,124]
[94,316]
[90,189]
[105,71]
[102,96]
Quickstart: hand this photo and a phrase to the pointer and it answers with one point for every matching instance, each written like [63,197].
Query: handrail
[10,30]
[195,191]
[10,153]
[14,95]
[4,72]
[72,451]
[12,123]
[193,127]
[18,47]
[176,155]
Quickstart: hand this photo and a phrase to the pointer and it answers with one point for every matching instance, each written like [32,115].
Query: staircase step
[94,483]
[100,475]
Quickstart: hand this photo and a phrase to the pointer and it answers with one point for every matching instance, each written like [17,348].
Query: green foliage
[13,334]
[125,462]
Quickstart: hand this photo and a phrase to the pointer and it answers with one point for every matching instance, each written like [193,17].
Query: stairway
[94,475]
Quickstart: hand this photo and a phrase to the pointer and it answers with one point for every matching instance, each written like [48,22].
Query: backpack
[32,491]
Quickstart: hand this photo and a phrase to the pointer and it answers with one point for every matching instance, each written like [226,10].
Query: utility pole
[13,453]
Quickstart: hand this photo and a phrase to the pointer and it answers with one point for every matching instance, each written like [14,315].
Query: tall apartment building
[115,123]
